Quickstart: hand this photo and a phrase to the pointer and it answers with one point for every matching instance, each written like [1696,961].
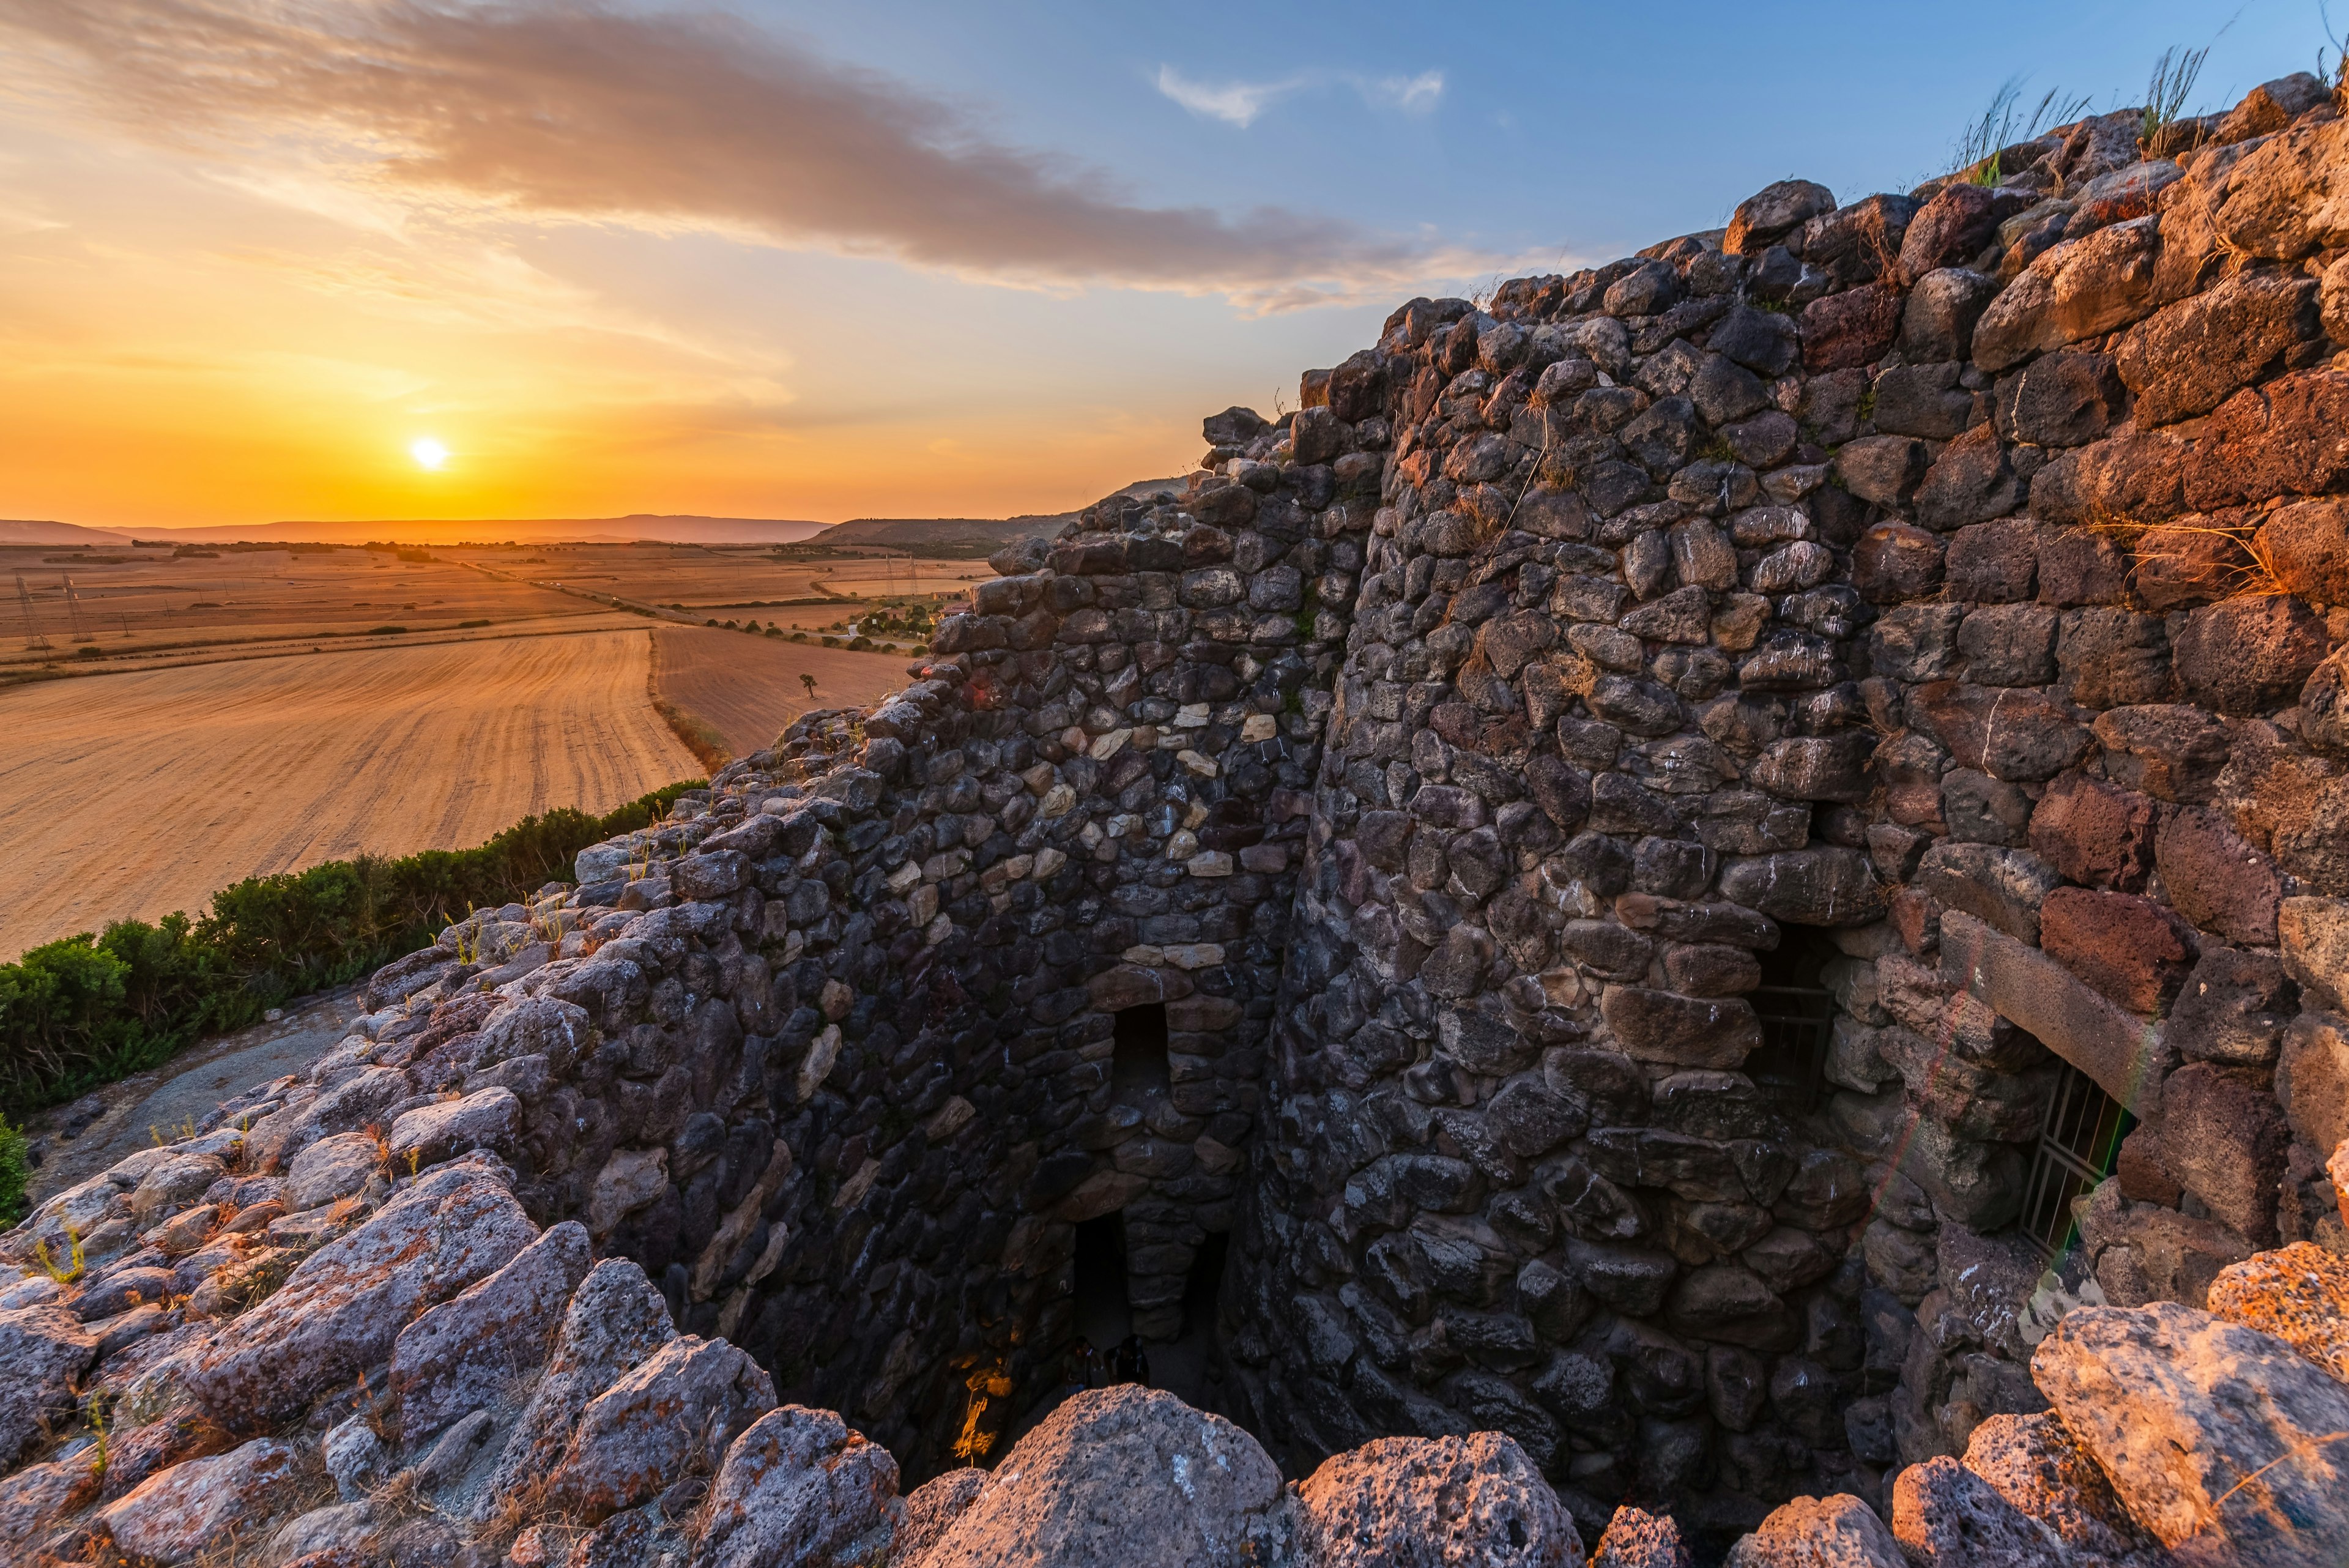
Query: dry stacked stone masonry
[1367,859]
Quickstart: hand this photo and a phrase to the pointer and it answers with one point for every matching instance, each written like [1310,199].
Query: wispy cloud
[666,121]
[1235,103]
[1413,95]
[1240,103]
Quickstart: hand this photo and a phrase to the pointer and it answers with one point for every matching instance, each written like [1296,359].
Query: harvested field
[749,687]
[141,793]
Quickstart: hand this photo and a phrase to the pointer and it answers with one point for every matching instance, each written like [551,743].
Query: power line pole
[33,638]
[73,610]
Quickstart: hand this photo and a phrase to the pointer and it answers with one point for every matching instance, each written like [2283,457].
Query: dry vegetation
[141,793]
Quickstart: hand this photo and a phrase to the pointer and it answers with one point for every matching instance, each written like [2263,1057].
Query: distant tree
[808,681]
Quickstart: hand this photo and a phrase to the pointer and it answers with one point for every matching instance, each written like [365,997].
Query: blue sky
[895,257]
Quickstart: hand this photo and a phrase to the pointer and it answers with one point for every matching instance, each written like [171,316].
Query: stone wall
[1950,574]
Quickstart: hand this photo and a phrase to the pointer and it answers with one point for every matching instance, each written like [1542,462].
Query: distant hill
[680,530]
[963,535]
[18,531]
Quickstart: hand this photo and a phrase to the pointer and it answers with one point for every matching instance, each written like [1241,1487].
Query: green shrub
[88,1009]
[16,1170]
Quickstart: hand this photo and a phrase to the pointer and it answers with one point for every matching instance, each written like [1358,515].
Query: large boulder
[458,1357]
[1839,1532]
[44,1350]
[2037,1465]
[340,1312]
[799,1488]
[2206,1428]
[1946,1516]
[615,1322]
[1122,1478]
[1475,1501]
[671,1417]
[203,1503]
[2298,1293]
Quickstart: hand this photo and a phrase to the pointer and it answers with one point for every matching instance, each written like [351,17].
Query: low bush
[88,1009]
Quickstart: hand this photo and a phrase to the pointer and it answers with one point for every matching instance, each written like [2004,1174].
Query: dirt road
[141,793]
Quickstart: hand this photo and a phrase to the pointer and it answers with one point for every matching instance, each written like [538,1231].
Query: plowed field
[141,793]
[749,687]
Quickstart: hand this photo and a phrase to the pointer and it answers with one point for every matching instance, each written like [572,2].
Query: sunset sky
[892,258]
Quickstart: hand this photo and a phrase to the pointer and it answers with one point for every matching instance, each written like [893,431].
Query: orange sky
[233,304]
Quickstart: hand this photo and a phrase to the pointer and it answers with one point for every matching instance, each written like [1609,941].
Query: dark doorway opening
[1138,1050]
[1797,1017]
[1104,1315]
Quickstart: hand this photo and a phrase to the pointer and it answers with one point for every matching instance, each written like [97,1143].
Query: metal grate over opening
[1798,1021]
[2079,1142]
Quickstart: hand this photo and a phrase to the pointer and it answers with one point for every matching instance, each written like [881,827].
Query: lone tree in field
[808,681]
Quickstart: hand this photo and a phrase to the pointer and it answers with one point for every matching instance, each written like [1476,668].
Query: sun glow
[429,453]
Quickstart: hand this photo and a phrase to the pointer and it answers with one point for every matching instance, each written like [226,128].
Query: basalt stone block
[1817,767]
[1979,809]
[1688,1031]
[2112,658]
[1730,1306]
[2096,833]
[2308,542]
[1894,561]
[2079,567]
[1971,482]
[2216,879]
[2316,941]
[1883,469]
[2173,751]
[2067,398]
[2234,1008]
[1955,225]
[1855,328]
[1939,320]
[2134,949]
[2081,288]
[2290,436]
[1629,1279]
[1922,400]
[2312,1080]
[2005,886]
[2223,1137]
[2191,562]
[2190,356]
[2016,736]
[1918,641]
[2127,1059]
[1993,563]
[2008,645]
[2249,655]
[1823,885]
[1773,212]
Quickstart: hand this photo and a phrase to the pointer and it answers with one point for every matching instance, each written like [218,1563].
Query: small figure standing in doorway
[1128,1363]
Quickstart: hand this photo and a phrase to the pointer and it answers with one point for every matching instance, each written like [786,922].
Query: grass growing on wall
[88,1009]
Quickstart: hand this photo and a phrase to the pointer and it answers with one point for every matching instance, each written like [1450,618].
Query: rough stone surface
[1839,1532]
[1124,1475]
[798,1487]
[2177,1408]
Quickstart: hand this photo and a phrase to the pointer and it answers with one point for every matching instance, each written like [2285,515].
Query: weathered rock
[2035,1464]
[932,1508]
[1944,1514]
[330,1169]
[2079,289]
[44,1350]
[1405,1501]
[1125,1476]
[2134,949]
[2205,1428]
[339,1312]
[669,1418]
[194,1507]
[458,1357]
[1837,1532]
[2190,356]
[2313,1078]
[2127,1060]
[490,1119]
[799,1488]
[2299,1294]
[1639,1540]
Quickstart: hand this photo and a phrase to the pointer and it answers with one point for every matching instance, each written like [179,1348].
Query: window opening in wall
[1138,1049]
[2079,1145]
[1797,1016]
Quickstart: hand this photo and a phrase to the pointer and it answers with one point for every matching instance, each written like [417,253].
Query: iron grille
[2079,1143]
[1798,1021]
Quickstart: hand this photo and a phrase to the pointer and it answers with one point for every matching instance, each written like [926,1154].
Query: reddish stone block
[2016,736]
[2135,951]
[2077,566]
[2290,436]
[2144,1179]
[2223,1137]
[1917,915]
[2249,655]
[2309,543]
[1994,562]
[1894,562]
[2096,833]
[1854,327]
[2215,878]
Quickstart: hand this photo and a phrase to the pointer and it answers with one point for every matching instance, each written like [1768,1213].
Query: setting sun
[429,453]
